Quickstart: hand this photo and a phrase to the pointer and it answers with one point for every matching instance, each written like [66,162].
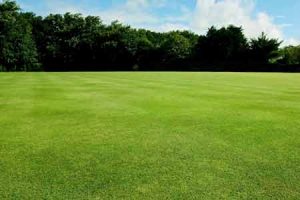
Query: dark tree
[222,46]
[290,55]
[17,48]
[263,49]
[71,42]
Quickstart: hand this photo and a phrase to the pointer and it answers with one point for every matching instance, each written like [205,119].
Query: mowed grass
[149,136]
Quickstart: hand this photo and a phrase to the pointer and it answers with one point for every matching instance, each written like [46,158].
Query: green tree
[17,48]
[225,45]
[263,49]
[176,47]
[290,55]
[72,42]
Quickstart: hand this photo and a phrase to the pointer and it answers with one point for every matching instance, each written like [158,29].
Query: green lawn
[149,136]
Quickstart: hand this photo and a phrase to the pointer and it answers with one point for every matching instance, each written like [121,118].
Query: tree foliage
[225,45]
[72,42]
[17,48]
[263,49]
[290,55]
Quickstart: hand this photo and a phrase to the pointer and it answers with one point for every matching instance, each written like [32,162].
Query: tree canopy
[290,55]
[72,42]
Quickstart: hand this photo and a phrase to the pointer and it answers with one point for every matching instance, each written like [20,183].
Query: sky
[277,18]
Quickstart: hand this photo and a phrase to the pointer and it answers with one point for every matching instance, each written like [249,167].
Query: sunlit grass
[149,136]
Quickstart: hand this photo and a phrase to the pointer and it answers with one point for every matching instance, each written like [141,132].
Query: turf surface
[149,136]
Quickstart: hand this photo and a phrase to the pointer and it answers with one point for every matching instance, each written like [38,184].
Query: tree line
[72,42]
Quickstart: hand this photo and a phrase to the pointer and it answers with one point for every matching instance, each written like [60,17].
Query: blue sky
[278,18]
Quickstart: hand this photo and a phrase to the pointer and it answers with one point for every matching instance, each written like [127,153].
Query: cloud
[236,12]
[241,13]
[58,6]
[291,41]
[133,12]
[166,27]
[149,14]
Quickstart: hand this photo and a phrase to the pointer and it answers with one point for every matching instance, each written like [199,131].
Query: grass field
[149,136]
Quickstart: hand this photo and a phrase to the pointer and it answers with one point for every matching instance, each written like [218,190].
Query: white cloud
[291,41]
[166,27]
[241,13]
[58,6]
[237,12]
[134,12]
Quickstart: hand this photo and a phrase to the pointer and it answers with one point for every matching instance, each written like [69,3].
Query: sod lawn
[149,136]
